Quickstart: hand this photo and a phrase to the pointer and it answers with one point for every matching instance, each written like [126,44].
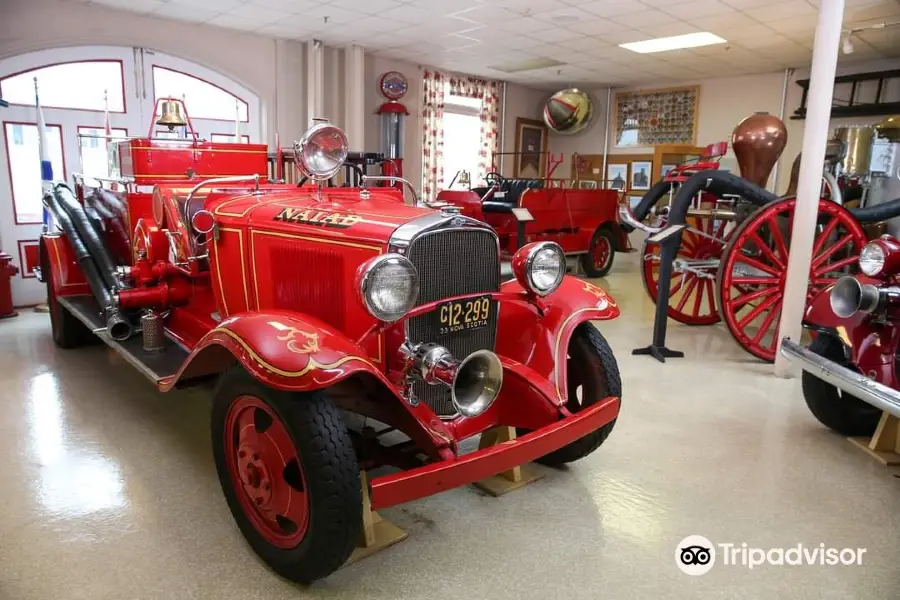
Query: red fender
[291,351]
[59,264]
[872,345]
[542,342]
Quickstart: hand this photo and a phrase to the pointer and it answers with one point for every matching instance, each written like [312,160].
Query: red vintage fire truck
[310,303]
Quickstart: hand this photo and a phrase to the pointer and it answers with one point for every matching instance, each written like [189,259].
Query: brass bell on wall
[171,116]
[568,111]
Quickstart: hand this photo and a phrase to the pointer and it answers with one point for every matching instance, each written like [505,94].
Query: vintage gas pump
[393,86]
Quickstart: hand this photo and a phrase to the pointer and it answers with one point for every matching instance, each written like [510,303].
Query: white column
[315,80]
[355,97]
[815,135]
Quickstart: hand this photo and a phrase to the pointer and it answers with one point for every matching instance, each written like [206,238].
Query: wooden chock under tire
[884,445]
[507,481]
[377,533]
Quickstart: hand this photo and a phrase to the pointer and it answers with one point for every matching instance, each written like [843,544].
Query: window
[63,86]
[95,161]
[228,138]
[462,137]
[203,100]
[25,167]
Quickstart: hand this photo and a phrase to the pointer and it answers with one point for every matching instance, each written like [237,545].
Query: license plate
[460,315]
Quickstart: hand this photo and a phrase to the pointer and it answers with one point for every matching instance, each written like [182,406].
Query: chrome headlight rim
[366,282]
[872,265]
[529,266]
[302,145]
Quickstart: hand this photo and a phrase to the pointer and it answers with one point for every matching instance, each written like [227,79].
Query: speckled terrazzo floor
[108,491]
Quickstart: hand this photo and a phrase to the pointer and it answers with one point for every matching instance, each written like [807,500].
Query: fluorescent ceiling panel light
[676,42]
[526,65]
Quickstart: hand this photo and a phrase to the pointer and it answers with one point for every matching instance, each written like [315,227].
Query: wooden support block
[884,445]
[507,481]
[377,533]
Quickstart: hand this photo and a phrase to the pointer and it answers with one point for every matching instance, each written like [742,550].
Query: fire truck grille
[453,262]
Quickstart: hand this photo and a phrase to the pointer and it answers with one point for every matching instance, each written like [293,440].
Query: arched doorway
[77,88]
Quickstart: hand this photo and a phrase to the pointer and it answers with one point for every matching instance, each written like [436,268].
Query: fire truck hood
[339,214]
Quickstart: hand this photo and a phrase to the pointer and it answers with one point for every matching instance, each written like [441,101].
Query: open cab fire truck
[310,303]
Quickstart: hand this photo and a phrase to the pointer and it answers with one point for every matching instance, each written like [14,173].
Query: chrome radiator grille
[453,262]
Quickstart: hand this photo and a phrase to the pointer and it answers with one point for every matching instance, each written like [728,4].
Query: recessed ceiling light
[677,42]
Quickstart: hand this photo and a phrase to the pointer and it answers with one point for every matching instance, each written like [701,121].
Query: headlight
[871,260]
[389,286]
[540,267]
[321,151]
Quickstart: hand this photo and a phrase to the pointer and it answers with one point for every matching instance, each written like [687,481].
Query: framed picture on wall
[531,148]
[617,176]
[665,169]
[640,174]
[634,200]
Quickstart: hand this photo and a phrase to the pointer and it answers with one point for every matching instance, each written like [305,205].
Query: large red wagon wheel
[691,297]
[754,264]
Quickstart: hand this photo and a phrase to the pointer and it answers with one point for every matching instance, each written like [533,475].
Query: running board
[156,366]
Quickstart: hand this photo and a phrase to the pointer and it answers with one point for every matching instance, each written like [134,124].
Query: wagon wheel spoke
[778,237]
[835,266]
[826,254]
[756,264]
[736,281]
[824,235]
[687,293]
[762,306]
[698,297]
[774,339]
[767,322]
[740,301]
[710,296]
[764,248]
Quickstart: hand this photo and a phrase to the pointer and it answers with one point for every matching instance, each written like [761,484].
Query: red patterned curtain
[490,128]
[433,134]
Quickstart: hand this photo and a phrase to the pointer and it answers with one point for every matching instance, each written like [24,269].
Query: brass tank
[758,141]
[857,148]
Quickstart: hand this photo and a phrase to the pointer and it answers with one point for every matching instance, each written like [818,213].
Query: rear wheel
[68,331]
[599,258]
[834,408]
[592,374]
[289,473]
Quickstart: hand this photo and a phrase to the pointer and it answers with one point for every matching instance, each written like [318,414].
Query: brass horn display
[568,111]
[171,116]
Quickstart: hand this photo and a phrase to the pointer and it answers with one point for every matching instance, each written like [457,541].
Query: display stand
[507,481]
[523,216]
[377,533]
[669,240]
[884,445]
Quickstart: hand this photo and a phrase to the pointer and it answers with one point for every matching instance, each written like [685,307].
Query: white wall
[520,102]
[723,103]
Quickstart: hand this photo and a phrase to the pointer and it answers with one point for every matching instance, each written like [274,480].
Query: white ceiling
[469,35]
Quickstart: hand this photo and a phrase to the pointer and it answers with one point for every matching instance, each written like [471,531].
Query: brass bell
[889,128]
[464,178]
[171,116]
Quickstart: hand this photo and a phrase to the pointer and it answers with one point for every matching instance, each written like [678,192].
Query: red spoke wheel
[691,298]
[753,268]
[288,470]
[599,258]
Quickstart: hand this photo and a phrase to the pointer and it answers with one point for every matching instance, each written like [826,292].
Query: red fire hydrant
[7,271]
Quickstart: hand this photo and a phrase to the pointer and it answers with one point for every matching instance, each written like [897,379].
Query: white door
[72,82]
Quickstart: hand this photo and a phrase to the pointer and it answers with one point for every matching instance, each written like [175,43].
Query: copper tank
[758,141]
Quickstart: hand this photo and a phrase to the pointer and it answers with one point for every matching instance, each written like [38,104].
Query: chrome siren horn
[474,381]
[848,296]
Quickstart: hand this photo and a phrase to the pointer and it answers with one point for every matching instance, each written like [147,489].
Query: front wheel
[592,374]
[289,473]
[599,258]
[834,408]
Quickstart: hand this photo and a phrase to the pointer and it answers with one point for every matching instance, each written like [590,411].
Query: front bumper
[397,488]
[862,387]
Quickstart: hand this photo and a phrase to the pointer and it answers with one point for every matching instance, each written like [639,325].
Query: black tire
[592,363]
[837,410]
[602,235]
[330,470]
[67,330]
